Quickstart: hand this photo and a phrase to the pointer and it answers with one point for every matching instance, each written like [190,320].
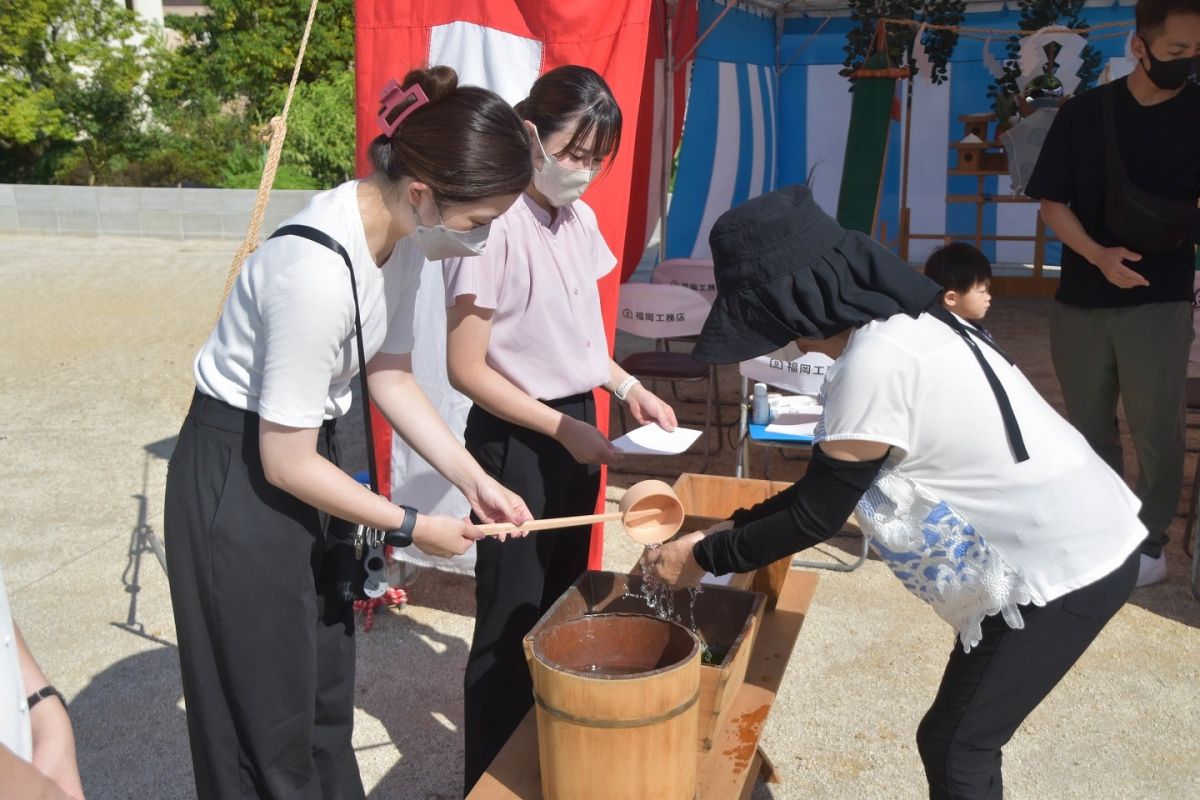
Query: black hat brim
[854,282]
[739,328]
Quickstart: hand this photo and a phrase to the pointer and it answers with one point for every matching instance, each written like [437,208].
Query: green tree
[244,168]
[70,78]
[246,49]
[320,135]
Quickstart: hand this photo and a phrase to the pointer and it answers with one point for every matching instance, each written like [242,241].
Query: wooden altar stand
[729,769]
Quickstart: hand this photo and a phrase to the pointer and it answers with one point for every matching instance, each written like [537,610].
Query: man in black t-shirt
[1122,325]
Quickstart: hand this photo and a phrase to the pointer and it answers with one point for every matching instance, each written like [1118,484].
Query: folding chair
[794,373]
[800,374]
[694,273]
[660,312]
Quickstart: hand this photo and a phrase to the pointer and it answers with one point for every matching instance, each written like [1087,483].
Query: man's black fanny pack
[1136,219]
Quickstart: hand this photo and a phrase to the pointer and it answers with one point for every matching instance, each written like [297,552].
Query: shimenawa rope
[278,128]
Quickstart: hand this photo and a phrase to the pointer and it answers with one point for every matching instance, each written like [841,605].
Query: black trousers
[266,647]
[517,580]
[986,694]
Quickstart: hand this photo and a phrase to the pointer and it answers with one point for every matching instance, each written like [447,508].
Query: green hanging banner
[866,147]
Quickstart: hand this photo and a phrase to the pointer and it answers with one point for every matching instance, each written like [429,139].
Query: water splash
[660,600]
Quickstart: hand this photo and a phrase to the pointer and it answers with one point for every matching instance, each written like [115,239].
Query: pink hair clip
[392,97]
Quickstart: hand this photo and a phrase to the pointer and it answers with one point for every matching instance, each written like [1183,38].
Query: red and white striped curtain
[504,45]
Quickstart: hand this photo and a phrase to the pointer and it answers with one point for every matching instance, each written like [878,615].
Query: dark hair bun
[438,82]
[466,143]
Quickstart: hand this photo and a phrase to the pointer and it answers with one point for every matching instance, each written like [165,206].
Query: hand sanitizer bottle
[760,410]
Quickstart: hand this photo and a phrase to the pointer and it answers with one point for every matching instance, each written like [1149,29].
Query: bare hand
[491,502]
[586,443]
[440,535]
[1111,262]
[673,563]
[647,407]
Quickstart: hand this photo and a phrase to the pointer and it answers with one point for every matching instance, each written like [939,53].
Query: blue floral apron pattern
[940,557]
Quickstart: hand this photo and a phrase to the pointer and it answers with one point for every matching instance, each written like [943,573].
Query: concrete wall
[120,211]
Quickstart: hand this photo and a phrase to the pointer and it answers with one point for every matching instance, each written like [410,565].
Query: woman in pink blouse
[527,345]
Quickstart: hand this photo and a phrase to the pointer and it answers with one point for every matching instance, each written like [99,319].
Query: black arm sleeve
[773,504]
[807,513]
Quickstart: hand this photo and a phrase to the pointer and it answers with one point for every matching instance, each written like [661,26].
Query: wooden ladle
[650,513]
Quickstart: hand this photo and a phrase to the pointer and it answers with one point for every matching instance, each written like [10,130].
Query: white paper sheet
[795,404]
[651,440]
[795,423]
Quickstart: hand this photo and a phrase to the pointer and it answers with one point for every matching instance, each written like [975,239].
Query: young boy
[966,275]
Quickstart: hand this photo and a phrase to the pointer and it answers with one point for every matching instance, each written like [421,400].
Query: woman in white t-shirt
[258,578]
[527,345]
[980,498]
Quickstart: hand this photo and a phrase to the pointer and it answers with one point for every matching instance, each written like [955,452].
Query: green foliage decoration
[939,43]
[1035,15]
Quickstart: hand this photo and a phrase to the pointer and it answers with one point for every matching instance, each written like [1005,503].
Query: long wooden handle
[493,528]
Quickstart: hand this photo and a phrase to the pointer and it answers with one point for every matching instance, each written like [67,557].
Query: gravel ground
[94,379]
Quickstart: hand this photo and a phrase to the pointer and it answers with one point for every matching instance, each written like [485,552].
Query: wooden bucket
[725,619]
[616,699]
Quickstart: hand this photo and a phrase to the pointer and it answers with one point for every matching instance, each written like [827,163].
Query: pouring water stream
[660,599]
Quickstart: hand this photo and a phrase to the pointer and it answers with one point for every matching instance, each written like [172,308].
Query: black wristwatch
[42,693]
[402,536]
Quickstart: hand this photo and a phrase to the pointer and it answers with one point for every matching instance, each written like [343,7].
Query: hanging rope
[964,30]
[879,45]
[278,131]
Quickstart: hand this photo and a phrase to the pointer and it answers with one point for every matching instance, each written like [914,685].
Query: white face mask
[560,185]
[438,241]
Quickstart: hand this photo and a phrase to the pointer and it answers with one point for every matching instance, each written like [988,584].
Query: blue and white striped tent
[729,149]
[767,110]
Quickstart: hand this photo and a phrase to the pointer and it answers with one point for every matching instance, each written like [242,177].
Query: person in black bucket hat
[980,498]
[786,270]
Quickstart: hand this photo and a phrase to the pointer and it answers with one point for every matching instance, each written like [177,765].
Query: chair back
[790,370]
[694,273]
[661,311]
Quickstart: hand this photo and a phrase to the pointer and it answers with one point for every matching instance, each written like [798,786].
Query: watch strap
[402,536]
[44,692]
[625,388]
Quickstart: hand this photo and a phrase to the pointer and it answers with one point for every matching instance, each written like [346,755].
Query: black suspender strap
[968,334]
[325,240]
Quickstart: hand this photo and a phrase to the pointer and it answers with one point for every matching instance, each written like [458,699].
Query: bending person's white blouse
[956,518]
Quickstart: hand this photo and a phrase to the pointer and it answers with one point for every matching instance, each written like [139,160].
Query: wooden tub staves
[727,621]
[616,698]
